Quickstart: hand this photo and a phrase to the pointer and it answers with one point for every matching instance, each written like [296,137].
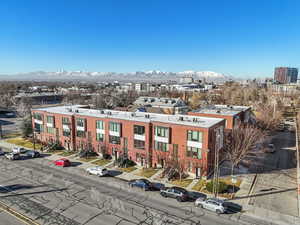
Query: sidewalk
[250,214]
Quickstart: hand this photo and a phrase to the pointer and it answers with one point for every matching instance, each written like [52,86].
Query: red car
[62,162]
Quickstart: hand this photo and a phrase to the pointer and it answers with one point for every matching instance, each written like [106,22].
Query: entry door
[198,172]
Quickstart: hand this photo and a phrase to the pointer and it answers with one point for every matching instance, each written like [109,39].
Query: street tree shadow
[33,193]
[232,207]
[74,164]
[114,173]
[16,187]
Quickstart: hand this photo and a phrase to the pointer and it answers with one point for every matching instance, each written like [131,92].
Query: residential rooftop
[226,110]
[196,121]
[159,102]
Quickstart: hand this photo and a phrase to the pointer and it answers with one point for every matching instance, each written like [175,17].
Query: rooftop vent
[180,118]
[231,107]
[173,101]
[133,114]
[195,120]
[147,116]
[109,113]
[76,110]
[152,99]
[166,101]
[69,110]
[102,111]
[218,111]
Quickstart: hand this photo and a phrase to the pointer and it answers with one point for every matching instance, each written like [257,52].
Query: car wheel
[218,211]
[164,195]
[179,199]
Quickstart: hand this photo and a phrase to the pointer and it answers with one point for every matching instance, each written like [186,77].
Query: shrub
[222,187]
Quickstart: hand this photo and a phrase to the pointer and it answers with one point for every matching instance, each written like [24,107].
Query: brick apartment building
[285,75]
[148,139]
[232,114]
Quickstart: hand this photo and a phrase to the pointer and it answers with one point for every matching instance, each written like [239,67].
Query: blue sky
[243,38]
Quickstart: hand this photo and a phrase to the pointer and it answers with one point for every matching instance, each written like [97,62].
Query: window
[65,121]
[139,144]
[66,133]
[80,133]
[38,128]
[99,137]
[161,131]
[194,136]
[50,119]
[38,116]
[100,124]
[114,140]
[80,122]
[114,126]
[194,152]
[50,130]
[161,146]
[139,130]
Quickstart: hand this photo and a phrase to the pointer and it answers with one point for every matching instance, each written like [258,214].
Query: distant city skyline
[245,39]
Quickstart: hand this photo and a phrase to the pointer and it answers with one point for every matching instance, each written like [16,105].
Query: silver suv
[212,204]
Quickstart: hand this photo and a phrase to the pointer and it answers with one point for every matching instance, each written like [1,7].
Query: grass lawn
[66,153]
[147,172]
[128,169]
[200,185]
[227,181]
[88,159]
[23,142]
[101,162]
[182,183]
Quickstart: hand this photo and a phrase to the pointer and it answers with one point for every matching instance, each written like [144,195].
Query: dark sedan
[141,183]
[33,154]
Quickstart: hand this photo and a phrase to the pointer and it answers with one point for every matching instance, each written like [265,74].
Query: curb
[25,219]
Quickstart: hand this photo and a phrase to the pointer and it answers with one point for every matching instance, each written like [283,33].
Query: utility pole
[298,164]
[1,133]
[216,166]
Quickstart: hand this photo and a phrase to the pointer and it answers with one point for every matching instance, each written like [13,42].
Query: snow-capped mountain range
[153,75]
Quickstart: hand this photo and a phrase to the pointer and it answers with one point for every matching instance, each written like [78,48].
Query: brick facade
[131,143]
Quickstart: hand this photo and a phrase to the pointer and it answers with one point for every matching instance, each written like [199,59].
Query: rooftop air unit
[147,116]
[180,118]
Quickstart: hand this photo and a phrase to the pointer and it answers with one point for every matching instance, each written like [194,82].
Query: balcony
[50,125]
[194,144]
[38,121]
[66,127]
[80,128]
[114,133]
[161,139]
[100,131]
[139,137]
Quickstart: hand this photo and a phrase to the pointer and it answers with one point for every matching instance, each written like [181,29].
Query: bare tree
[268,116]
[241,141]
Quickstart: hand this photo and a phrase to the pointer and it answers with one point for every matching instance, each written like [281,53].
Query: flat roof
[226,110]
[187,120]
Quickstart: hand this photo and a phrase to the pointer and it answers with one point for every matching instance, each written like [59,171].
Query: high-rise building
[286,75]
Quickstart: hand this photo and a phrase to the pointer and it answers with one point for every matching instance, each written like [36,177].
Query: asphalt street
[7,219]
[68,196]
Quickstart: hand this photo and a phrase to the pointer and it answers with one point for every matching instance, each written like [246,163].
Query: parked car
[212,204]
[180,194]
[1,152]
[270,148]
[33,154]
[18,150]
[62,162]
[13,156]
[97,170]
[193,195]
[141,183]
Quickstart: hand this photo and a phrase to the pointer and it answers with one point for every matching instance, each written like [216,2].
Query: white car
[212,204]
[97,170]
[18,150]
